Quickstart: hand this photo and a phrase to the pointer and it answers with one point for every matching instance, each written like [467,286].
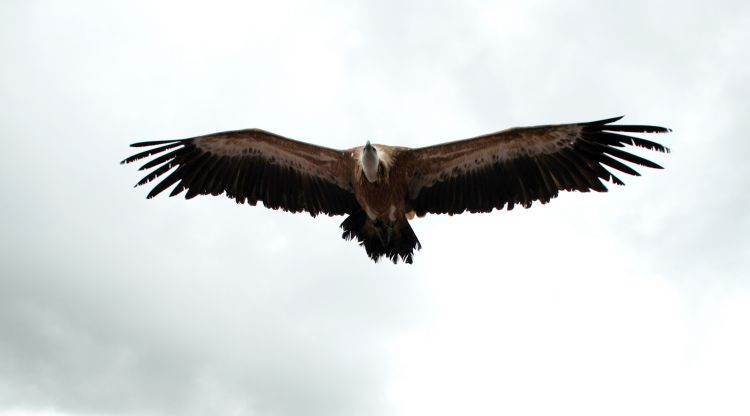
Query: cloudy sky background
[632,302]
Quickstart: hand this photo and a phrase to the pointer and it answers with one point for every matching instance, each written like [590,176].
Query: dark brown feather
[251,166]
[525,165]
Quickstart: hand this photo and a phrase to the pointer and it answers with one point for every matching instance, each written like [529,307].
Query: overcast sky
[632,302]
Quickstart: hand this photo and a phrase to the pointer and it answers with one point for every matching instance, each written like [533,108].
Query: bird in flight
[382,187]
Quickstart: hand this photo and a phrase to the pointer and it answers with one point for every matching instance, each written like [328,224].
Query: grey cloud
[112,304]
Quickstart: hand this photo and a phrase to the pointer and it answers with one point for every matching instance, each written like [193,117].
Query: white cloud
[622,303]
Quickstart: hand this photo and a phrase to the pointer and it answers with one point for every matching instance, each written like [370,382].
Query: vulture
[380,188]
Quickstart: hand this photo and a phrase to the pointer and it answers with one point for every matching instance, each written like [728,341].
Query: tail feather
[379,239]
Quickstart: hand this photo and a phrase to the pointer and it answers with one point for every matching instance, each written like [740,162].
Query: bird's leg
[385,232]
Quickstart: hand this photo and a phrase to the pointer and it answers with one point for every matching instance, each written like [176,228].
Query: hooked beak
[369,147]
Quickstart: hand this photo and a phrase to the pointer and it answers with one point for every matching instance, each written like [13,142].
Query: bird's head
[370,161]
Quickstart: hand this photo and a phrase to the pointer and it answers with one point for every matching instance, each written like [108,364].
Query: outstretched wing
[521,165]
[250,166]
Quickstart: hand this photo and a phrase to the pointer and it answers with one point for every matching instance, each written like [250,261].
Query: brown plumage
[381,187]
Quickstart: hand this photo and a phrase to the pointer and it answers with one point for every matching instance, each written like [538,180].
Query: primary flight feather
[381,187]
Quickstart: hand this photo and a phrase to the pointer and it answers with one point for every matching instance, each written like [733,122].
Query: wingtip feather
[153,143]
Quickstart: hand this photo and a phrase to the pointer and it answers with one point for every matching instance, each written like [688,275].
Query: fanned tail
[379,239]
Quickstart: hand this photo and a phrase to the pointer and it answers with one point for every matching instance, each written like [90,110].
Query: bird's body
[381,187]
[380,194]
